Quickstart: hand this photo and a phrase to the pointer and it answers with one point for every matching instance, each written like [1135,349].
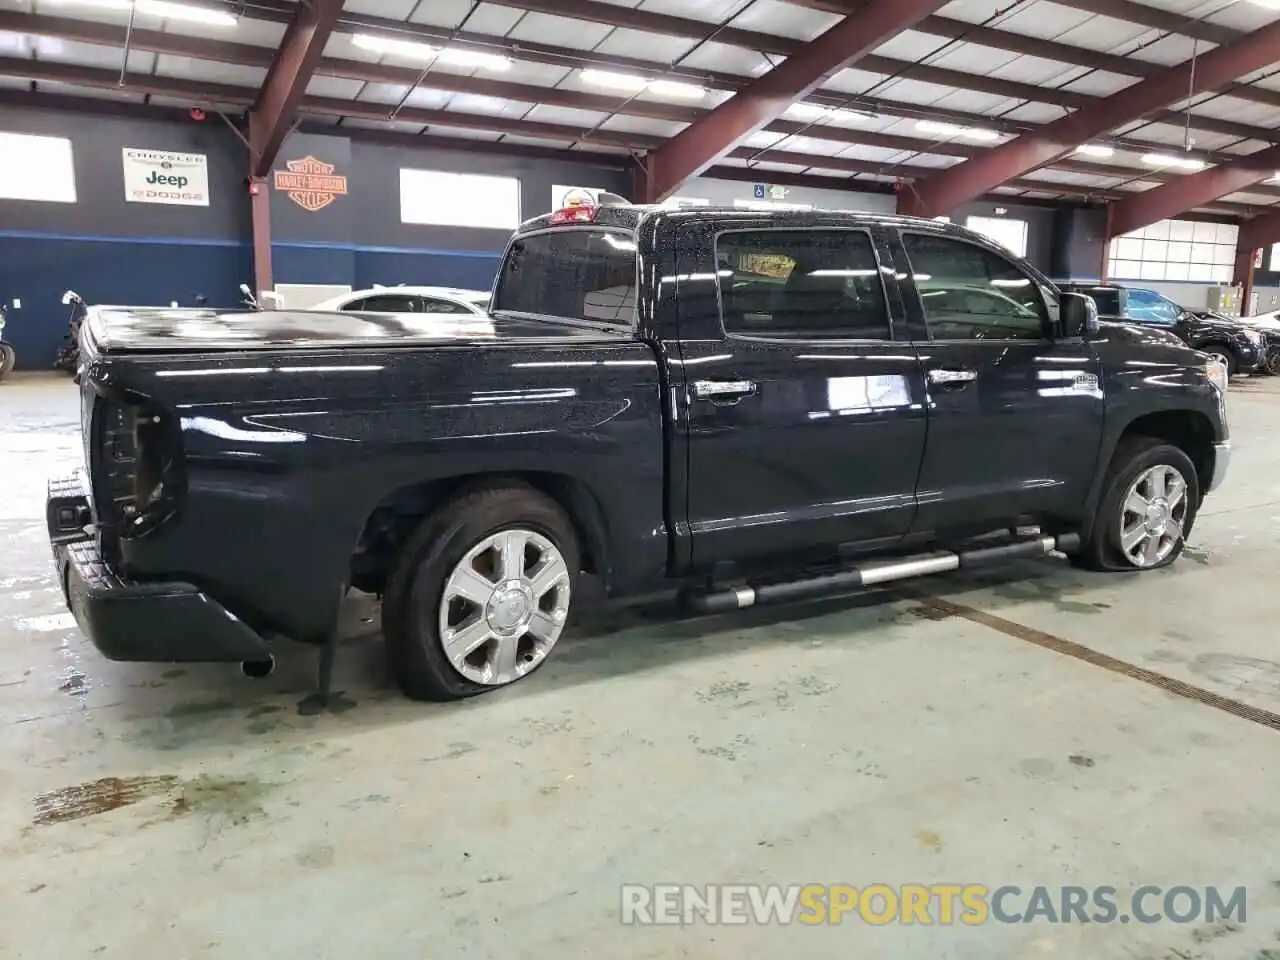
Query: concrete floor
[850,741]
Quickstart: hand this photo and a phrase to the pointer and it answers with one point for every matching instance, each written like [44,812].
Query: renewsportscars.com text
[970,904]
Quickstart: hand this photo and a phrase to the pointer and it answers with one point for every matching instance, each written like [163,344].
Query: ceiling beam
[614,15]
[1165,20]
[1125,66]
[276,108]
[763,101]
[943,192]
[66,28]
[1184,193]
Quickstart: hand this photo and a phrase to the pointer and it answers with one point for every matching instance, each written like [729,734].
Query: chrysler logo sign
[311,183]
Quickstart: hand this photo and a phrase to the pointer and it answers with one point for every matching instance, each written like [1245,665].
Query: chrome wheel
[504,606]
[1152,516]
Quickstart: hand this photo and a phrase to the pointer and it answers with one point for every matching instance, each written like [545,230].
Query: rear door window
[578,273]
[389,303]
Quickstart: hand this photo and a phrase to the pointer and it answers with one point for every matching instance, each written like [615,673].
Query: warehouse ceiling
[624,77]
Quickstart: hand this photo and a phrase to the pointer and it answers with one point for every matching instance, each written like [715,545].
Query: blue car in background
[1241,346]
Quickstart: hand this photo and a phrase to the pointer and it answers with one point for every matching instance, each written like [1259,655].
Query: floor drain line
[1080,652]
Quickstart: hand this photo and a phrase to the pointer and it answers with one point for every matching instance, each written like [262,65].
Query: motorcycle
[68,356]
[8,357]
[272,300]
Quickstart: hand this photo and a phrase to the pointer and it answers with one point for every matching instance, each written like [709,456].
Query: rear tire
[479,594]
[8,358]
[1149,501]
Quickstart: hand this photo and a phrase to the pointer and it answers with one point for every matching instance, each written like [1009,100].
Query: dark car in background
[1241,347]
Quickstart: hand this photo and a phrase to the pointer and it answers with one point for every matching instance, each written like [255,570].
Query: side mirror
[71,297]
[1077,315]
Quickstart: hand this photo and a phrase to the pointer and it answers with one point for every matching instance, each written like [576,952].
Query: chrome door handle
[716,389]
[952,376]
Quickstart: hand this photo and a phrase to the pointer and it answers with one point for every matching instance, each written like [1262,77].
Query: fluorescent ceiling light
[1095,150]
[473,58]
[163,8]
[954,130]
[614,81]
[1172,160]
[818,111]
[674,88]
[630,83]
[412,49]
[404,48]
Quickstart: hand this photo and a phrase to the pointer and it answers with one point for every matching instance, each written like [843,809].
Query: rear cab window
[578,273]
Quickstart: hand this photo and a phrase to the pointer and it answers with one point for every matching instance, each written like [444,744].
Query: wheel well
[401,511]
[1189,431]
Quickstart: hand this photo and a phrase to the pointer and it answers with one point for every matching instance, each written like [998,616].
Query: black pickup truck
[747,406]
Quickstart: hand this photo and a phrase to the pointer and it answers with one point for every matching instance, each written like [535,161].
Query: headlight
[1254,337]
[1217,374]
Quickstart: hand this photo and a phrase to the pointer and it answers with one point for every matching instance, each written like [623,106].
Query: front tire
[8,358]
[1148,506]
[480,594]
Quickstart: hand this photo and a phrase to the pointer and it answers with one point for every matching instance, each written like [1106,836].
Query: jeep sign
[159,176]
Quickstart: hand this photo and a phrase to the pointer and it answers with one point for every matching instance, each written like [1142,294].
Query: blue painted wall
[111,250]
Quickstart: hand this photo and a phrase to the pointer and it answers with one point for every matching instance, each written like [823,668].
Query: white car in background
[409,300]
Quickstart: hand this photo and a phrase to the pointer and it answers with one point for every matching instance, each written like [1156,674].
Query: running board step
[877,572]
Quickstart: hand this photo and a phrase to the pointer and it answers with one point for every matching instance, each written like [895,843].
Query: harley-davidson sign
[311,183]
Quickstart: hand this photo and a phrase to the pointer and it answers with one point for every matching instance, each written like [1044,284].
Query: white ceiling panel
[1245,147]
[971,102]
[391,93]
[712,11]
[567,115]
[1256,199]
[914,91]
[655,128]
[13,83]
[333,87]
[726,59]
[522,71]
[1066,176]
[586,146]
[340,46]
[1036,113]
[1104,34]
[1044,20]
[913,45]
[489,106]
[1171,50]
[873,154]
[487,18]
[392,9]
[824,172]
[561,31]
[933,161]
[854,81]
[209,72]
[971,58]
[181,102]
[1240,111]
[1243,16]
[96,93]
[803,144]
[1167,133]
[785,20]
[1036,70]
[1099,83]
[645,46]
[971,11]
[458,134]
[779,167]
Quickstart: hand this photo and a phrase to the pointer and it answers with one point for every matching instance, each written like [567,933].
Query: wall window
[803,284]
[1010,234]
[971,294]
[770,205]
[36,168]
[459,199]
[1188,250]
[1274,264]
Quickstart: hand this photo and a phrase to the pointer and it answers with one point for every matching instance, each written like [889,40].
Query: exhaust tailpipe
[257,669]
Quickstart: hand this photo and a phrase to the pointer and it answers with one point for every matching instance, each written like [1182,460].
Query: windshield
[581,274]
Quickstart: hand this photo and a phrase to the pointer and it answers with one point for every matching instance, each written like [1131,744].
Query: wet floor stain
[173,674]
[723,690]
[238,800]
[1043,591]
[97,796]
[74,683]
[314,704]
[1081,760]
[1196,555]
[1246,674]
[930,840]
